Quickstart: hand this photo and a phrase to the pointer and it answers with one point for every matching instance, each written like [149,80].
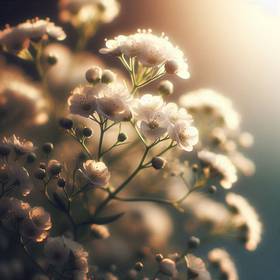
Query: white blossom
[221,165]
[150,50]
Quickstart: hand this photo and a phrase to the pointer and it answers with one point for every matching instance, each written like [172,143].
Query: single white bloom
[114,102]
[150,50]
[97,172]
[151,120]
[83,100]
[221,165]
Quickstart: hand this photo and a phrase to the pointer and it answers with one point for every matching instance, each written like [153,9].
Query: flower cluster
[132,155]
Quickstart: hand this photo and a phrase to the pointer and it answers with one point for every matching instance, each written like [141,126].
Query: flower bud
[212,189]
[61,182]
[42,165]
[122,137]
[138,266]
[158,163]
[193,242]
[99,231]
[171,66]
[31,157]
[51,59]
[93,74]
[159,257]
[166,87]
[54,167]
[40,174]
[87,132]
[47,148]
[108,76]
[66,123]
[168,267]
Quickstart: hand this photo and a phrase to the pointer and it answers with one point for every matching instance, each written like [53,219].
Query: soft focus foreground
[132,181]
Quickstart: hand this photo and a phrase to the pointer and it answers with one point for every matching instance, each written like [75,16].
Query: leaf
[103,220]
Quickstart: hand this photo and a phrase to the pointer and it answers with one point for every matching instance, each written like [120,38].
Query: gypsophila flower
[36,225]
[96,172]
[79,12]
[196,268]
[150,50]
[226,265]
[248,217]
[148,111]
[219,165]
[211,102]
[83,100]
[114,102]
[18,37]
[168,267]
[20,146]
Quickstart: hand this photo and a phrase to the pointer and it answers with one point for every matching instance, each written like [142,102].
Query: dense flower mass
[19,37]
[134,165]
[150,50]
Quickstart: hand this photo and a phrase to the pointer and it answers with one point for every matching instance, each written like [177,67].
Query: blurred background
[233,47]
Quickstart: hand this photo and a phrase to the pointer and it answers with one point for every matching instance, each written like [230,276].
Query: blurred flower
[36,225]
[219,165]
[211,103]
[168,267]
[247,218]
[97,172]
[20,146]
[18,37]
[242,163]
[226,265]
[196,268]
[79,12]
[150,50]
[99,231]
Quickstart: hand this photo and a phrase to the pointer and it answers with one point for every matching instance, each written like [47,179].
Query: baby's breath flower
[221,165]
[36,225]
[148,111]
[242,163]
[18,37]
[96,172]
[168,267]
[79,12]
[114,102]
[211,102]
[248,217]
[150,50]
[225,263]
[21,147]
[196,268]
[83,100]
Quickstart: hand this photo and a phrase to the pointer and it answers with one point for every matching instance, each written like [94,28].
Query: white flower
[225,263]
[211,102]
[15,38]
[20,146]
[248,217]
[83,100]
[88,11]
[221,165]
[148,111]
[150,50]
[114,102]
[97,172]
[197,268]
[180,128]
